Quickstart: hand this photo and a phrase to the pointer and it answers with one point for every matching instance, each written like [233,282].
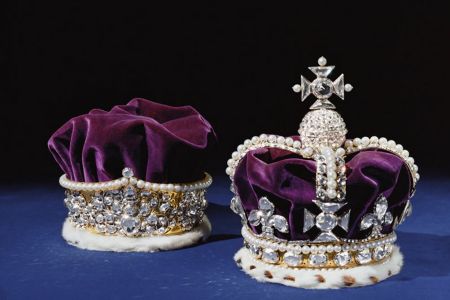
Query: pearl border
[306,247]
[357,144]
[295,146]
[124,181]
[262,141]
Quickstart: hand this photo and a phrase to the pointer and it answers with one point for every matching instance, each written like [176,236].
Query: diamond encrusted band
[129,207]
[304,254]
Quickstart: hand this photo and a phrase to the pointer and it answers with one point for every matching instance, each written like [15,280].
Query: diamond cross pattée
[326,221]
[264,216]
[379,218]
[322,87]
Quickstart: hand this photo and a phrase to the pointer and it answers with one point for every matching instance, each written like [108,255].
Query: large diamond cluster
[132,211]
[322,127]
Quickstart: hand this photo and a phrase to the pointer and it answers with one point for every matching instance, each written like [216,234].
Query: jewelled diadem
[131,207]
[320,200]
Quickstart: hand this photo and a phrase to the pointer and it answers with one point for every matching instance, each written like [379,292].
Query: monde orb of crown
[322,126]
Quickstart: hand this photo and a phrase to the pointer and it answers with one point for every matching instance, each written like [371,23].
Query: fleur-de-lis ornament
[379,218]
[264,216]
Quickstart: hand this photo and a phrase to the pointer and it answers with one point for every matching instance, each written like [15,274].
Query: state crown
[319,210]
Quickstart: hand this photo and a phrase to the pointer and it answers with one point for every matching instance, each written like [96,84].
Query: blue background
[35,262]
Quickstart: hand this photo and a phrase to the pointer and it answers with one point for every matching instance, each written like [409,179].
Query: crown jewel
[319,200]
[322,126]
[322,87]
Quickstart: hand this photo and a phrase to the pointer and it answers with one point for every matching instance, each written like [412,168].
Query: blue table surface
[36,263]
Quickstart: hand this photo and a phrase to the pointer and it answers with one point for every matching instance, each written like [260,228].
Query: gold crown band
[308,255]
[131,210]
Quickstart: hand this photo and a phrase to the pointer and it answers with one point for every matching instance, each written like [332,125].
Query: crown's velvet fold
[288,180]
[160,143]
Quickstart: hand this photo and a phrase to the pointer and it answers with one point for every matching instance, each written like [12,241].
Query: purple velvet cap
[161,143]
[288,180]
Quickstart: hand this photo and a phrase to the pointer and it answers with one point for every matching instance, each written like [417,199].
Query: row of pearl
[121,182]
[382,143]
[262,141]
[330,162]
[296,248]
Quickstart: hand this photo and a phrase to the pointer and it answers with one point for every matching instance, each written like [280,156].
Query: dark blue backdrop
[35,262]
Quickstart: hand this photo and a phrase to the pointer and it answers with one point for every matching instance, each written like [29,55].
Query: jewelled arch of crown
[322,138]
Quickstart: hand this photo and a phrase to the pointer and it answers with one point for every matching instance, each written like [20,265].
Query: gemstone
[161,230]
[127,172]
[344,221]
[388,218]
[77,198]
[165,198]
[367,221]
[326,222]
[116,207]
[163,221]
[100,227]
[267,230]
[109,218]
[341,180]
[317,259]
[328,207]
[379,253]
[254,217]
[98,203]
[145,209]
[292,259]
[381,206]
[322,88]
[236,206]
[265,205]
[74,209]
[342,258]
[321,194]
[130,225]
[100,218]
[321,180]
[308,221]
[152,220]
[270,256]
[129,194]
[130,210]
[364,256]
[111,229]
[322,71]
[111,196]
[145,194]
[340,195]
[164,207]
[326,237]
[108,200]
[81,221]
[339,86]
[150,229]
[280,223]
[322,168]
[154,202]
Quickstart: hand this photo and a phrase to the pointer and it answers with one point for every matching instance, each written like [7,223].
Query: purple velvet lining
[159,142]
[289,182]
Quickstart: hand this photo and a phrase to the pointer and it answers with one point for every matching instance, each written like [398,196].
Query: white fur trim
[319,279]
[85,239]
